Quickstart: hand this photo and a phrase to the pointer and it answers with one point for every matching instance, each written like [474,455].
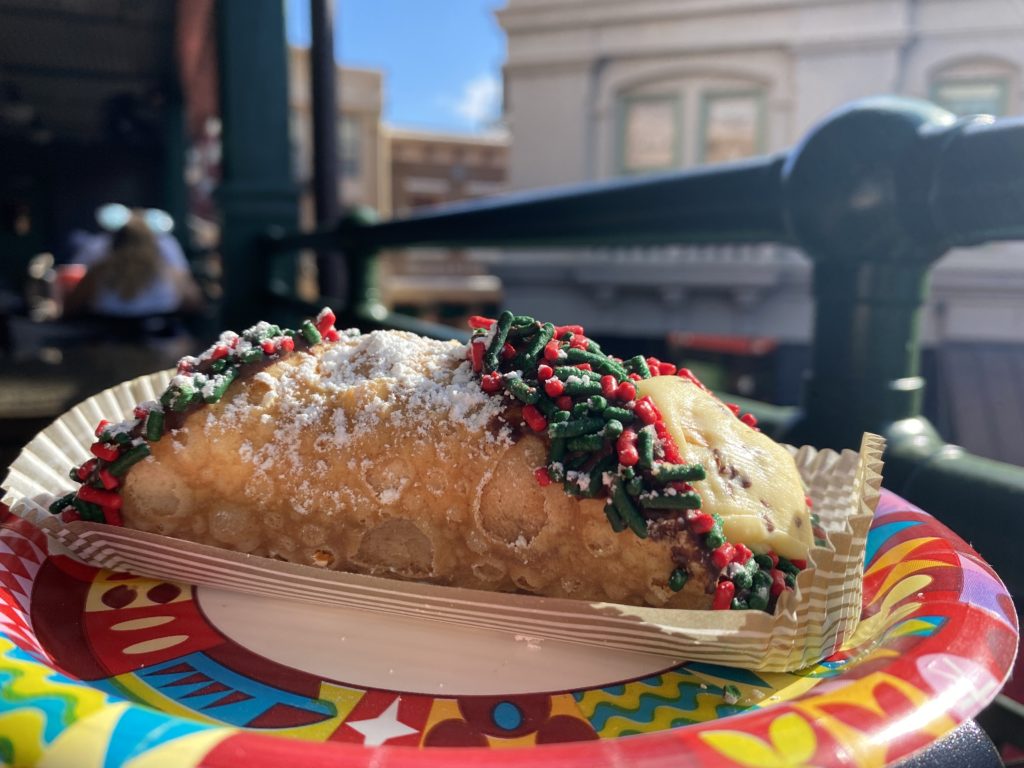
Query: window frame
[1002,83]
[626,101]
[706,100]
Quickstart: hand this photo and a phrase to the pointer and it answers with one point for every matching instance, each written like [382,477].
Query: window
[731,126]
[349,146]
[649,133]
[971,97]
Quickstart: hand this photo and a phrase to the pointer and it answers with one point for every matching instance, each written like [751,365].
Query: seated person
[138,277]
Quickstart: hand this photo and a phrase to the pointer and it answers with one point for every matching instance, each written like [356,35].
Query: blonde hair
[133,261]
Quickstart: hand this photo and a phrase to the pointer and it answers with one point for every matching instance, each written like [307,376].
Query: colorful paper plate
[106,669]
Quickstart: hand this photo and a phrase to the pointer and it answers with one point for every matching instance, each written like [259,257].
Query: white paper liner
[808,625]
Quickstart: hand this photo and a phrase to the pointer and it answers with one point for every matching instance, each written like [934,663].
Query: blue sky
[441,58]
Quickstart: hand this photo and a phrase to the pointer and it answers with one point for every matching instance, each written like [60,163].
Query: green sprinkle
[154,425]
[619,414]
[764,562]
[523,320]
[714,539]
[582,387]
[731,694]
[548,408]
[671,472]
[787,567]
[599,362]
[758,599]
[563,372]
[133,455]
[645,447]
[627,473]
[638,365]
[688,500]
[742,580]
[522,331]
[579,410]
[527,359]
[612,513]
[678,579]
[635,486]
[607,464]
[218,365]
[558,416]
[593,346]
[179,397]
[221,386]
[578,461]
[309,333]
[64,501]
[790,579]
[597,403]
[252,355]
[760,580]
[585,443]
[575,427]
[87,510]
[491,357]
[121,438]
[557,450]
[612,429]
[628,511]
[739,604]
[73,474]
[521,390]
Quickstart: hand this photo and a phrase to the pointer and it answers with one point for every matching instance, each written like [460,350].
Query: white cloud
[481,100]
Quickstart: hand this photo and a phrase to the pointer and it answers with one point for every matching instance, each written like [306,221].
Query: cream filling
[752,481]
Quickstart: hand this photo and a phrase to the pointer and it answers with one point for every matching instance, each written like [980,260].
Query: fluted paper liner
[809,623]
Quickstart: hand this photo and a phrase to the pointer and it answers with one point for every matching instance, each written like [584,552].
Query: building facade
[600,89]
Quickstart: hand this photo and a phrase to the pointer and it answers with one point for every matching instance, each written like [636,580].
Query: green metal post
[257,191]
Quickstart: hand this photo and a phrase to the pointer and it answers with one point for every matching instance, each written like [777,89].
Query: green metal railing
[874,195]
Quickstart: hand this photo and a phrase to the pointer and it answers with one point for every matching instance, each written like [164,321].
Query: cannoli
[526,460]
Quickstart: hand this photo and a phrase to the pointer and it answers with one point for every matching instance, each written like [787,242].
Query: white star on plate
[382,728]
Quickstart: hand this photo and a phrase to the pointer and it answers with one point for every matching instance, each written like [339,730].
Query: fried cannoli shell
[379,454]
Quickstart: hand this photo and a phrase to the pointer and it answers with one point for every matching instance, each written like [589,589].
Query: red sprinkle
[800,564]
[477,352]
[330,334]
[666,369]
[112,515]
[743,554]
[100,496]
[69,516]
[585,366]
[635,377]
[109,481]
[724,593]
[490,382]
[564,402]
[749,419]
[608,385]
[626,391]
[579,341]
[810,502]
[534,418]
[672,454]
[101,427]
[625,445]
[778,582]
[700,522]
[724,555]
[478,321]
[86,469]
[105,452]
[646,410]
[288,343]
[554,388]
[268,347]
[552,351]
[654,365]
[139,412]
[544,372]
[543,478]
[325,320]
[219,351]
[775,559]
[734,408]
[508,351]
[561,330]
